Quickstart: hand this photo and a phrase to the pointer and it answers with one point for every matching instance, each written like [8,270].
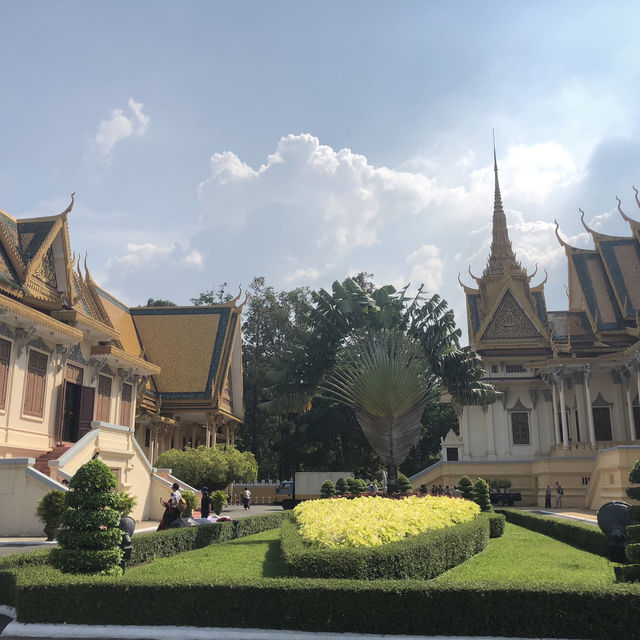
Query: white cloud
[427,267]
[338,195]
[149,255]
[307,275]
[116,128]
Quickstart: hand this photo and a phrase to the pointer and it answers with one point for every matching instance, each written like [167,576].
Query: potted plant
[50,510]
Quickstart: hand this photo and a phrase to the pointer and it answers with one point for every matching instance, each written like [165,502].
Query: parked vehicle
[305,486]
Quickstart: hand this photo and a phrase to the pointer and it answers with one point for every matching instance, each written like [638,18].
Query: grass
[520,557]
[523,557]
[256,556]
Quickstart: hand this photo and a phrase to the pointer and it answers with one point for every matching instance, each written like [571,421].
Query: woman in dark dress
[205,503]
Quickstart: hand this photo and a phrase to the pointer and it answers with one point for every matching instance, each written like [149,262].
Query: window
[452,454]
[103,403]
[36,379]
[520,427]
[636,420]
[125,406]
[5,357]
[602,423]
[515,368]
[494,368]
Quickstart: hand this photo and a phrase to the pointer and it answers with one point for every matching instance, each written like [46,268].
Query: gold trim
[110,350]
[73,315]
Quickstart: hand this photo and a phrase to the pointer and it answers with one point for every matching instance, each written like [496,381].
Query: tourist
[559,494]
[171,508]
[447,491]
[547,497]
[246,498]
[205,503]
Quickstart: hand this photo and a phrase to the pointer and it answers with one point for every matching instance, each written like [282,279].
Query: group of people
[547,496]
[436,491]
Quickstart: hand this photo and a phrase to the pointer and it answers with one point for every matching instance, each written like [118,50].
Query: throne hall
[569,409]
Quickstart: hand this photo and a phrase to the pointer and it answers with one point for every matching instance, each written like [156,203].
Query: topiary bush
[481,495]
[352,485]
[466,488]
[89,541]
[631,573]
[50,510]
[125,503]
[218,500]
[192,502]
[341,486]
[403,485]
[328,489]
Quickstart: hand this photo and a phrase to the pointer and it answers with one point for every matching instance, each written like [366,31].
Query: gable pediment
[510,321]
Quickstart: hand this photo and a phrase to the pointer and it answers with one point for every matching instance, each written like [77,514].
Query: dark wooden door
[87,397]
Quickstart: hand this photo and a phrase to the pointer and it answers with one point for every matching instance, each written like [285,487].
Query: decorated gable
[510,321]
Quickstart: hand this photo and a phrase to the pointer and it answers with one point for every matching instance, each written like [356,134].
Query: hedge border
[380,607]
[146,547]
[420,557]
[582,536]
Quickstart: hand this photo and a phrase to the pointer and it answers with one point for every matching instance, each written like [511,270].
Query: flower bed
[373,522]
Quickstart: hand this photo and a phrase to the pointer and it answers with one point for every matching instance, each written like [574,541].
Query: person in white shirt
[246,498]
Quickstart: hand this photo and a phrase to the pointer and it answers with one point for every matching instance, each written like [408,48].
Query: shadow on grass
[273,566]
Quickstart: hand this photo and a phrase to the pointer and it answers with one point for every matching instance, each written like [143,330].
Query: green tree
[366,339]
[466,488]
[217,295]
[152,302]
[214,468]
[481,494]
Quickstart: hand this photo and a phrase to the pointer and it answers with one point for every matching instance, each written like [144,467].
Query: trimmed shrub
[125,503]
[352,485]
[582,536]
[481,494]
[423,556]
[50,510]
[90,539]
[341,486]
[328,489]
[218,500]
[164,544]
[466,487]
[191,503]
[403,485]
[496,525]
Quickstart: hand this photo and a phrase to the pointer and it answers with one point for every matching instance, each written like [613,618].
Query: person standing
[547,497]
[559,494]
[246,498]
[205,503]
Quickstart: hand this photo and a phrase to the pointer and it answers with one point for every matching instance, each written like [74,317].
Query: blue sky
[305,141]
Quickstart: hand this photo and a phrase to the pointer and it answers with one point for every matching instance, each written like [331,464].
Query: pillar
[587,393]
[557,375]
[556,425]
[627,387]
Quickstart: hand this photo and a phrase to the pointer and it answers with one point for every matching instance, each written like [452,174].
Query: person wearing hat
[171,507]
[205,503]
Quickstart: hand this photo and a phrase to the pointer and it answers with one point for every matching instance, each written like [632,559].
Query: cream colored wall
[21,488]
[610,476]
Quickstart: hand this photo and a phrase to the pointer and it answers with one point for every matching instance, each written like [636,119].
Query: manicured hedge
[146,547]
[167,543]
[582,536]
[496,525]
[423,556]
[379,607]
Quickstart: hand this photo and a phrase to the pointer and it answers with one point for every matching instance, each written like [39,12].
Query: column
[208,434]
[491,445]
[556,425]
[152,440]
[557,376]
[587,393]
[226,433]
[626,375]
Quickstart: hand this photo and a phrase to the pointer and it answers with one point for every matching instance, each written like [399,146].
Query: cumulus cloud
[342,198]
[118,127]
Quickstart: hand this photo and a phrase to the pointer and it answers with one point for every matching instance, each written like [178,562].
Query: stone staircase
[42,462]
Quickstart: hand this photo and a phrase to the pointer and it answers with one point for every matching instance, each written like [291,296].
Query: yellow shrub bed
[371,522]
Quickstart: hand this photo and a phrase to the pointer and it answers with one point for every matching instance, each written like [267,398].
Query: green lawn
[520,557]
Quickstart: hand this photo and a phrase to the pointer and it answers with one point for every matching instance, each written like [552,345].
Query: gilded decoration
[510,321]
[46,270]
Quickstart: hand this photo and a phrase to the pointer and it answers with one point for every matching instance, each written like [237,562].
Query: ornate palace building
[570,380]
[81,374]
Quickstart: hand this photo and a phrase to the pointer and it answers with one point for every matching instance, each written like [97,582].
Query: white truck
[305,486]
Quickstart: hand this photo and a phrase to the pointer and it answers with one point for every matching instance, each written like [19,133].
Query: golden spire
[502,259]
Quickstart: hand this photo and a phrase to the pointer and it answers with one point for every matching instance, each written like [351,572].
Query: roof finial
[637,201]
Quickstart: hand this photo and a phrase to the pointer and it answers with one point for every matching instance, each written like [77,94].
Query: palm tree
[385,379]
